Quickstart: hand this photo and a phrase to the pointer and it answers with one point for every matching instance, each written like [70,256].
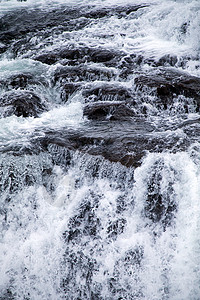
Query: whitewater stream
[99,150]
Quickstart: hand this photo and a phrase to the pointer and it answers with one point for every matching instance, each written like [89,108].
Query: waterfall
[99,150]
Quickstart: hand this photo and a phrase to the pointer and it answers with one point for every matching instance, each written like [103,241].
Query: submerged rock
[19,23]
[21,103]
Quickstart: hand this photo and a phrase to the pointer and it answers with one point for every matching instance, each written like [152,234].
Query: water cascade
[99,150]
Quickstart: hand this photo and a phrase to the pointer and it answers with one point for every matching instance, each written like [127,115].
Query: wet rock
[116,141]
[168,83]
[108,110]
[21,103]
[7,295]
[80,266]
[118,10]
[74,55]
[17,28]
[128,264]
[132,64]
[167,60]
[68,89]
[17,81]
[99,92]
[107,92]
[81,73]
[2,47]
[19,23]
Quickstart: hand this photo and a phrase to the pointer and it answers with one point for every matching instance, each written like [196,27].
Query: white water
[32,246]
[34,256]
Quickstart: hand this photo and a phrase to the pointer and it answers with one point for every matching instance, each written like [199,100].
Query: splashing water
[74,225]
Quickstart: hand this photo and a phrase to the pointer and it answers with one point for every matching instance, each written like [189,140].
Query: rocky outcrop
[21,81]
[110,110]
[117,141]
[116,110]
[82,72]
[169,83]
[118,10]
[107,91]
[99,91]
[75,55]
[21,103]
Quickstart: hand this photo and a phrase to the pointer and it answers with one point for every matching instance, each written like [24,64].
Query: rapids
[99,150]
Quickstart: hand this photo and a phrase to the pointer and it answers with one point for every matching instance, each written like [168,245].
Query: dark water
[99,150]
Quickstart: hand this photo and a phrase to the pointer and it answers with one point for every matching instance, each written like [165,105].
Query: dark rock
[48,58]
[2,47]
[18,81]
[167,60]
[99,92]
[81,73]
[7,295]
[107,92]
[102,55]
[168,83]
[21,103]
[116,141]
[128,264]
[108,110]
[76,55]
[85,223]
[79,266]
[118,10]
[68,89]
[132,63]
[19,23]
[184,27]
[18,27]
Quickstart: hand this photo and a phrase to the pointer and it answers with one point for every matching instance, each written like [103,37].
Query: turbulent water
[99,150]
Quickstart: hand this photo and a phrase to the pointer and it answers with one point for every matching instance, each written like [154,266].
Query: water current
[99,150]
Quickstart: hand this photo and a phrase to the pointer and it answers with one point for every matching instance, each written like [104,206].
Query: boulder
[106,92]
[81,73]
[169,83]
[101,91]
[16,81]
[68,89]
[76,55]
[21,103]
[122,141]
[111,110]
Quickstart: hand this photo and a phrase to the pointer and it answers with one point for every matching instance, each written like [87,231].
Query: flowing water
[75,221]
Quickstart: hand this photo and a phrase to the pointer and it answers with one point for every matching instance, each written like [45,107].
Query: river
[99,150]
